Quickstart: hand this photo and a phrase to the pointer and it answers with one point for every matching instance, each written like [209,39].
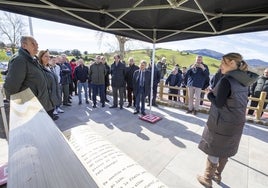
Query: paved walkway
[168,149]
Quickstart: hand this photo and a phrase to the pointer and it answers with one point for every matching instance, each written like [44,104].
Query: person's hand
[202,66]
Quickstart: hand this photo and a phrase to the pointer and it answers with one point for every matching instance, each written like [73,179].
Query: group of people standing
[49,78]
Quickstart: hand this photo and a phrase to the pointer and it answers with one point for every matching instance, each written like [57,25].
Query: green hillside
[173,58]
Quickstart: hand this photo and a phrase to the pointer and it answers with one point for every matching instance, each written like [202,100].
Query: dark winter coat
[25,72]
[53,88]
[118,74]
[174,80]
[136,82]
[81,73]
[221,136]
[107,75]
[196,77]
[129,75]
[260,85]
[97,73]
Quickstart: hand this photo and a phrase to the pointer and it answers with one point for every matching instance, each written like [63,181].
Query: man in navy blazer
[141,86]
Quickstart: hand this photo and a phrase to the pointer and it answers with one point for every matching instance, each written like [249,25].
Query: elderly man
[256,88]
[97,73]
[24,71]
[129,77]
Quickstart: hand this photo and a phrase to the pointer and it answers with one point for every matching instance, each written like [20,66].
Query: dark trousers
[130,96]
[202,95]
[98,89]
[173,91]
[255,104]
[121,91]
[154,95]
[140,99]
[65,92]
[105,91]
[89,91]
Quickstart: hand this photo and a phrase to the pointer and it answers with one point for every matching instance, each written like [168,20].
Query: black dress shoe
[106,100]
[103,105]
[129,105]
[94,106]
[113,106]
[121,107]
[136,112]
[143,113]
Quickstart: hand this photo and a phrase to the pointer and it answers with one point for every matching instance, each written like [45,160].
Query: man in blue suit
[141,87]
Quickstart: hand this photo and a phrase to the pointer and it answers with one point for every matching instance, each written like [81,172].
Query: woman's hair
[41,54]
[241,64]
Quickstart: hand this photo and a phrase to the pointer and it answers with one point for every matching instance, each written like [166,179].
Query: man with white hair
[24,71]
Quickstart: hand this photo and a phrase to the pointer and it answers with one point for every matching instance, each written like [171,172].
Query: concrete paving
[168,148]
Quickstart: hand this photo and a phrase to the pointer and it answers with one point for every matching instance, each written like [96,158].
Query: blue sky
[52,35]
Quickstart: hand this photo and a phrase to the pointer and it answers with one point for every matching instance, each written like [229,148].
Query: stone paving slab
[168,149]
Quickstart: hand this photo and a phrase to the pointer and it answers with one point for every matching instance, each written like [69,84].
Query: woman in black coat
[221,136]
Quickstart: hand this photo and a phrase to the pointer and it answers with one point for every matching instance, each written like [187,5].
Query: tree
[76,53]
[12,28]
[122,41]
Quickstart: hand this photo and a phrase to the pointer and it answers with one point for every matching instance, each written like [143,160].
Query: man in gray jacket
[97,73]
[24,72]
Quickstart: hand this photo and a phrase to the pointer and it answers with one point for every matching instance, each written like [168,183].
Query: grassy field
[173,58]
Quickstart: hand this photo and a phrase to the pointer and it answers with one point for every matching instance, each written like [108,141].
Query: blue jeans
[98,89]
[79,86]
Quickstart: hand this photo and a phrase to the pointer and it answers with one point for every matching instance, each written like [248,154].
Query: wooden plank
[39,155]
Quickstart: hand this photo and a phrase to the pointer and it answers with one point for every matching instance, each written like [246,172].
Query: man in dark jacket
[129,77]
[24,72]
[196,77]
[118,71]
[174,79]
[141,87]
[81,76]
[156,80]
[255,90]
[107,77]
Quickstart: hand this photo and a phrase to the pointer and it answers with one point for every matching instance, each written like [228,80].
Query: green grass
[173,58]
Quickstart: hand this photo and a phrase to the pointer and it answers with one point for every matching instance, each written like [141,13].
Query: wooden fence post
[260,105]
[161,89]
[186,96]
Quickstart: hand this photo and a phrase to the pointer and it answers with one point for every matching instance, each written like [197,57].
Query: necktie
[141,78]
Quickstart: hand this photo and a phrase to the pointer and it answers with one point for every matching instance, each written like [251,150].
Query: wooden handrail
[259,109]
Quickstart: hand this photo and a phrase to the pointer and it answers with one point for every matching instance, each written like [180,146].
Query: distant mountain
[207,52]
[218,55]
[257,63]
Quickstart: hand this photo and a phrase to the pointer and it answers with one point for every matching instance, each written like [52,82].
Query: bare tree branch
[11,28]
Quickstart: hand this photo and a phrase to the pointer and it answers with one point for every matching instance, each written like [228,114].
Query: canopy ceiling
[153,21]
